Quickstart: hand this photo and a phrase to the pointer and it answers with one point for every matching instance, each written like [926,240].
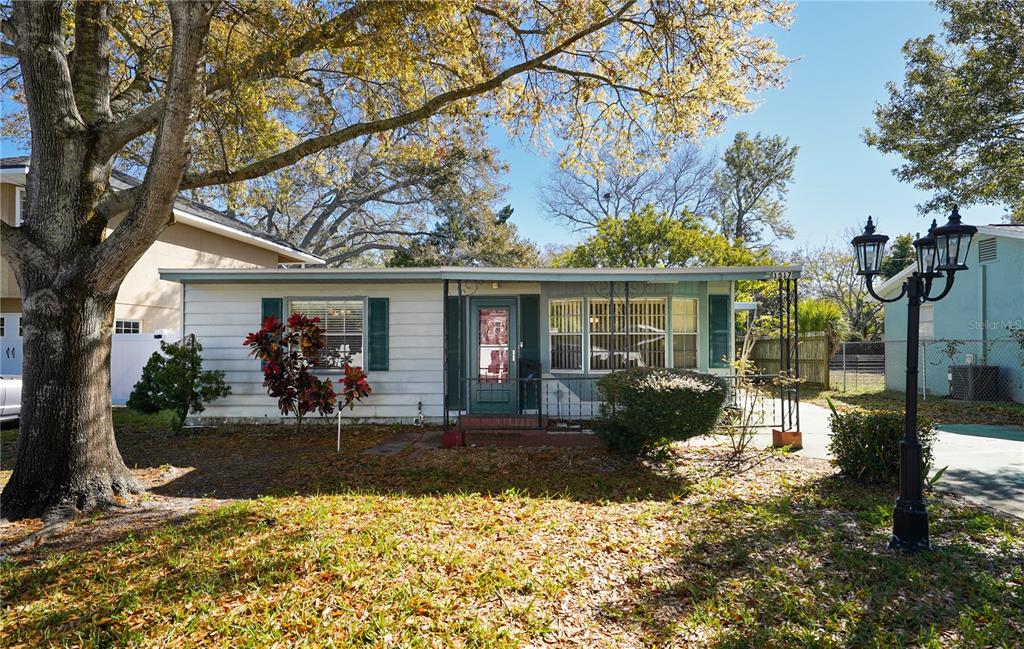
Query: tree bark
[69,273]
[67,456]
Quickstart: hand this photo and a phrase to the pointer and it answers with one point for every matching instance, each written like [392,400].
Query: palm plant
[819,314]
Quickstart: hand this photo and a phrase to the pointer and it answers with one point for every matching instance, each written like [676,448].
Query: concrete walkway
[986,463]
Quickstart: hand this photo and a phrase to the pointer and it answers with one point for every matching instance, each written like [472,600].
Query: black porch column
[444,350]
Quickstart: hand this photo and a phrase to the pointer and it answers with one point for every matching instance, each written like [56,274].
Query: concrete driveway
[986,463]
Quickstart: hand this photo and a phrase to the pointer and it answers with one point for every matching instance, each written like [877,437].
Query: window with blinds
[565,328]
[342,322]
[684,332]
[624,336]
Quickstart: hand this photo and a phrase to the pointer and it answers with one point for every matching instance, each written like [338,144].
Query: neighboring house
[970,326]
[200,237]
[495,341]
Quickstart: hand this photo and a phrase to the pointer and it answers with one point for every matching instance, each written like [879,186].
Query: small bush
[173,379]
[646,409]
[865,445]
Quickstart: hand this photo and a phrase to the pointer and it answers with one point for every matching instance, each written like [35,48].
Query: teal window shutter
[377,336]
[529,353]
[272,306]
[457,361]
[720,320]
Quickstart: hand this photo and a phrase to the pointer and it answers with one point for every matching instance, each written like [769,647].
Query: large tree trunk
[67,457]
[68,267]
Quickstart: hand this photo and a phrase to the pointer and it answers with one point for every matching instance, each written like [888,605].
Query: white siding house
[485,340]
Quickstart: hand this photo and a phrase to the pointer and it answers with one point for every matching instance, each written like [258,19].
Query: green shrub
[645,408]
[865,445]
[173,379]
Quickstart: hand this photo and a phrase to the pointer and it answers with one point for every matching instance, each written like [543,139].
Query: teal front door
[494,346]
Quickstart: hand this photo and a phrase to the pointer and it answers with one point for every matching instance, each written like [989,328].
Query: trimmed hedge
[648,408]
[865,445]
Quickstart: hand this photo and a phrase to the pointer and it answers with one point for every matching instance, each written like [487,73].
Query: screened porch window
[565,327]
[612,348]
[684,332]
[342,321]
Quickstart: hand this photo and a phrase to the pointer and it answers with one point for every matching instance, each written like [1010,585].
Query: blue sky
[845,53]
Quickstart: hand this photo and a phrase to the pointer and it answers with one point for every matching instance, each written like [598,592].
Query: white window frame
[19,194]
[584,347]
[362,299]
[590,332]
[135,324]
[926,322]
[673,333]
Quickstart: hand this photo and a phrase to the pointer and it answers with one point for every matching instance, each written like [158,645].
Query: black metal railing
[566,399]
[777,394]
[576,401]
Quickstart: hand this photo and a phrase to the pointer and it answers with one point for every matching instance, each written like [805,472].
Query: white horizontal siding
[222,315]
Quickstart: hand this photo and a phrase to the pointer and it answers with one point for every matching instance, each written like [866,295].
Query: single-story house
[967,348]
[492,341]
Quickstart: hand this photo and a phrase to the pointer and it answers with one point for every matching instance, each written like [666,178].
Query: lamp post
[940,253]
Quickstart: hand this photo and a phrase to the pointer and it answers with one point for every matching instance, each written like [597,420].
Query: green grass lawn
[506,547]
[937,409]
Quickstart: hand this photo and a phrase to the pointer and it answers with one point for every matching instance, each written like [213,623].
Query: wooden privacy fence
[813,357]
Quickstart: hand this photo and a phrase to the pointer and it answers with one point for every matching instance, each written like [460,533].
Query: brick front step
[502,422]
[519,437]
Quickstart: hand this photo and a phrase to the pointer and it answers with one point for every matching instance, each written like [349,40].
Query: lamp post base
[909,526]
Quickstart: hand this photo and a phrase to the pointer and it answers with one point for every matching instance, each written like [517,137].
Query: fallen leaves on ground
[297,544]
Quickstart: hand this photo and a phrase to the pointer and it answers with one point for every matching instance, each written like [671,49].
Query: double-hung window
[342,322]
[565,326]
[684,332]
[627,335]
[127,327]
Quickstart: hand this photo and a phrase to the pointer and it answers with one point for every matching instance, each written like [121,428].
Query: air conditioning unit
[977,383]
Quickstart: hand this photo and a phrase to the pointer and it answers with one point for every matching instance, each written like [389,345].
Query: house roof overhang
[335,275]
[891,286]
[189,213]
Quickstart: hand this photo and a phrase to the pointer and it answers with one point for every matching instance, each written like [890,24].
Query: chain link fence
[965,370]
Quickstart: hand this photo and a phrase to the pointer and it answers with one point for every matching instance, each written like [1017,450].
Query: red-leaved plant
[290,351]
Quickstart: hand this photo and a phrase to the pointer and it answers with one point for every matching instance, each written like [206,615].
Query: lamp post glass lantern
[870,249]
[940,253]
[927,253]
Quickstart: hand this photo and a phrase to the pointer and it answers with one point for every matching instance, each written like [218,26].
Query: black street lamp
[941,252]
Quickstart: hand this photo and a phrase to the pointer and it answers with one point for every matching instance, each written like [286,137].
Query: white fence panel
[129,353]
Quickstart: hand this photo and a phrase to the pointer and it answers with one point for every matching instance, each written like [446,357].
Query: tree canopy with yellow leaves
[198,94]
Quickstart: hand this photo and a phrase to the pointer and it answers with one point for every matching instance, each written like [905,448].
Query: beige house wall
[8,287]
[143,295]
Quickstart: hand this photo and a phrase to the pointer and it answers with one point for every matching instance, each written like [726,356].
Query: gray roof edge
[717,273]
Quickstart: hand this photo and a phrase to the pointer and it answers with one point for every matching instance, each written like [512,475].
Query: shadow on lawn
[173,571]
[815,570]
[253,464]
